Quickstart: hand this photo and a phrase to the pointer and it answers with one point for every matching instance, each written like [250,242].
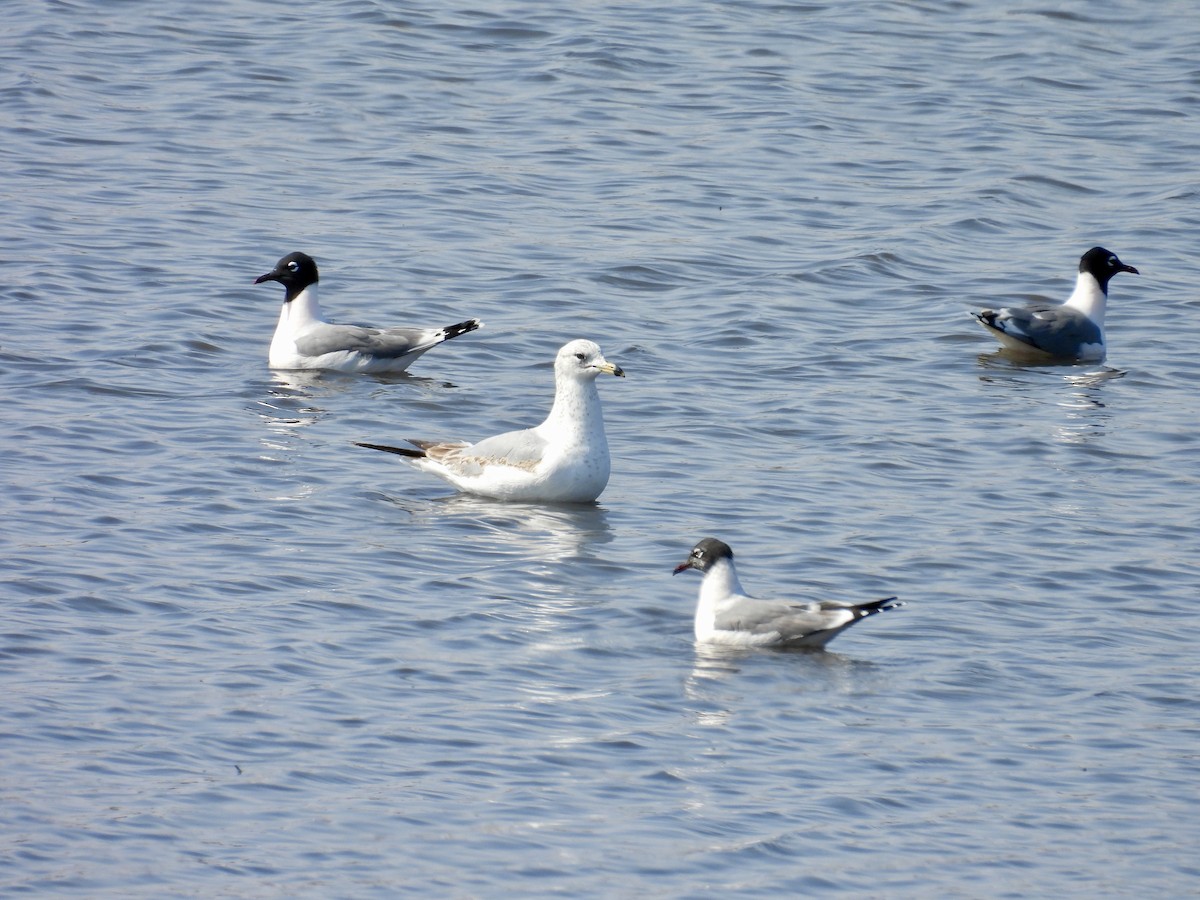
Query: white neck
[576,410]
[719,584]
[297,315]
[301,311]
[1088,298]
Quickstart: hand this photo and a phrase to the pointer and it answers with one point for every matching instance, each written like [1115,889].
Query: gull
[727,615]
[1072,331]
[563,460]
[305,340]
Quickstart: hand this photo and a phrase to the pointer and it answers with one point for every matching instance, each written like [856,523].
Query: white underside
[771,639]
[283,355]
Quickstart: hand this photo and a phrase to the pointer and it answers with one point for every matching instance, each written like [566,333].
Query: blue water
[241,657]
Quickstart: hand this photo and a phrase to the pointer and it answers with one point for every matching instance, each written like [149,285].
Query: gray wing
[1057,330]
[523,449]
[791,620]
[385,343]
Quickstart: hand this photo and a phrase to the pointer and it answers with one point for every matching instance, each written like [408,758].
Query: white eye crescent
[294,266]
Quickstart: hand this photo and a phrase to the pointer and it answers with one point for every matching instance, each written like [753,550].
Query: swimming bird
[305,340]
[563,460]
[727,615]
[1072,331]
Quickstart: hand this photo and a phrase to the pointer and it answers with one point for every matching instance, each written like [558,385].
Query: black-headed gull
[305,340]
[725,614]
[1073,330]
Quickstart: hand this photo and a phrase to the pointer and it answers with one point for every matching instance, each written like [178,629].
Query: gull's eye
[581,356]
[699,554]
[293,266]
[1113,261]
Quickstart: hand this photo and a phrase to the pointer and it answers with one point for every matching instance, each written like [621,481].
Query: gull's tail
[401,451]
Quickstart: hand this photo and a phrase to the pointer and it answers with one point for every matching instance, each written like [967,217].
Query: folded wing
[520,449]
[384,343]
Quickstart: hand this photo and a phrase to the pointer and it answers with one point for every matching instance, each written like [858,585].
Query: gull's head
[1103,265]
[583,359]
[705,555]
[295,272]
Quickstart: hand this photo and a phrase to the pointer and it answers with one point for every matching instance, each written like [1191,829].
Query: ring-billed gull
[1072,331]
[305,340]
[726,615]
[563,460]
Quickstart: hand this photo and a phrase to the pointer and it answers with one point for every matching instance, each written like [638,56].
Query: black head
[704,555]
[1103,265]
[295,272]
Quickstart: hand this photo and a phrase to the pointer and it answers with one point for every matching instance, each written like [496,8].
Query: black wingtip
[400,451]
[878,606]
[461,328]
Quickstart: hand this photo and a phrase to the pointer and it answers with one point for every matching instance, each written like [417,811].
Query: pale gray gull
[727,615]
[1073,330]
[304,339]
[563,460]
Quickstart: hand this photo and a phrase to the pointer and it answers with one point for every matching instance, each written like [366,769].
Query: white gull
[563,460]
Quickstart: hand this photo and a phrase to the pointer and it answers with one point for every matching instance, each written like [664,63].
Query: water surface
[242,657]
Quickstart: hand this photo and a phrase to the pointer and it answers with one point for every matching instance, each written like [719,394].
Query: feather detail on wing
[794,621]
[519,449]
[1056,330]
[383,343]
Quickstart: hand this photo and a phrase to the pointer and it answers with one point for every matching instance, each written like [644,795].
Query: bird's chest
[283,353]
[578,451]
[585,468]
